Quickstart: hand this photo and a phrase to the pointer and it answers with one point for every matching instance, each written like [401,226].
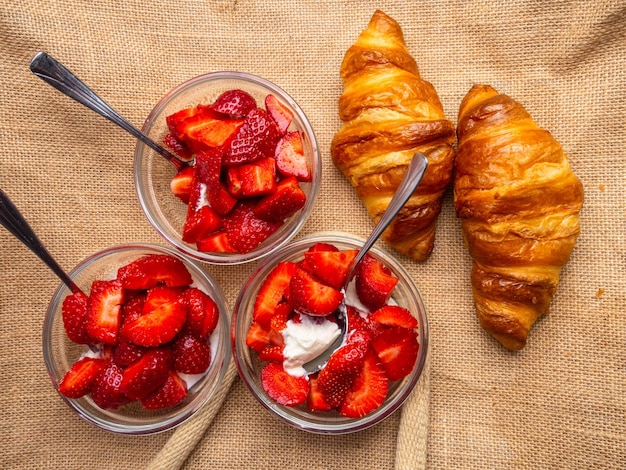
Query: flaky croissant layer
[389,113]
[519,202]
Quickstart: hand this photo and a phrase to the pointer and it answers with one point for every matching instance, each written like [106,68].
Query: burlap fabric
[557,404]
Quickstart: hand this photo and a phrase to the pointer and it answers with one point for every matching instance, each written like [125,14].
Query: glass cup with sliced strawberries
[287,314]
[144,344]
[252,168]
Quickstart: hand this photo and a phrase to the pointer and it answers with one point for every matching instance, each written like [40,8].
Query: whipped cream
[305,340]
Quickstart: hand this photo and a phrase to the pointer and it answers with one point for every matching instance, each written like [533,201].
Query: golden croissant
[519,203]
[389,113]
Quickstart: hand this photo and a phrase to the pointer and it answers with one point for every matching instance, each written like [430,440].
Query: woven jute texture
[559,403]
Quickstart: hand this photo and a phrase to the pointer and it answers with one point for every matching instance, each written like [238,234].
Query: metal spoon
[14,222]
[55,74]
[411,180]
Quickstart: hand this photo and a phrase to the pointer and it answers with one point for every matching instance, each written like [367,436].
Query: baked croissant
[389,113]
[519,204]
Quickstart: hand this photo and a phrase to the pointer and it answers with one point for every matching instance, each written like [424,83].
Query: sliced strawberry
[374,283]
[178,147]
[272,354]
[74,313]
[369,389]
[126,352]
[331,266]
[319,246]
[394,315]
[150,270]
[336,378]
[78,381]
[208,171]
[279,112]
[180,185]
[131,310]
[315,401]
[252,179]
[258,337]
[191,355]
[290,158]
[283,388]
[158,296]
[397,349]
[311,297]
[271,292]
[245,230]
[256,139]
[278,323]
[215,243]
[363,323]
[200,224]
[285,201]
[202,313]
[206,128]
[157,326]
[103,319]
[106,391]
[171,393]
[178,117]
[236,103]
[147,374]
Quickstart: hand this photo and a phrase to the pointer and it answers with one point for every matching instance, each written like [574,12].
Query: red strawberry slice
[158,296]
[235,103]
[103,319]
[256,139]
[290,158]
[336,378]
[394,315]
[272,354]
[252,179]
[202,313]
[208,171]
[287,199]
[319,246]
[369,389]
[278,323]
[245,230]
[191,355]
[206,128]
[330,266]
[374,283]
[178,147]
[74,313]
[258,337]
[200,224]
[215,243]
[147,374]
[78,381]
[158,326]
[311,297]
[279,112]
[397,349]
[150,270]
[171,393]
[180,185]
[272,291]
[178,117]
[283,388]
[132,309]
[106,391]
[315,401]
[363,323]
[125,353]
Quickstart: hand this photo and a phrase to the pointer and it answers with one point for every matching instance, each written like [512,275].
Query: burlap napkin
[556,404]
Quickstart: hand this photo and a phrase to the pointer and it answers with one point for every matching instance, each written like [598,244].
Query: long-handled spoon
[56,75]
[411,180]
[14,222]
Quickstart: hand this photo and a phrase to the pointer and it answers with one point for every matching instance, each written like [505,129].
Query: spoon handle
[59,77]
[14,222]
[414,174]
